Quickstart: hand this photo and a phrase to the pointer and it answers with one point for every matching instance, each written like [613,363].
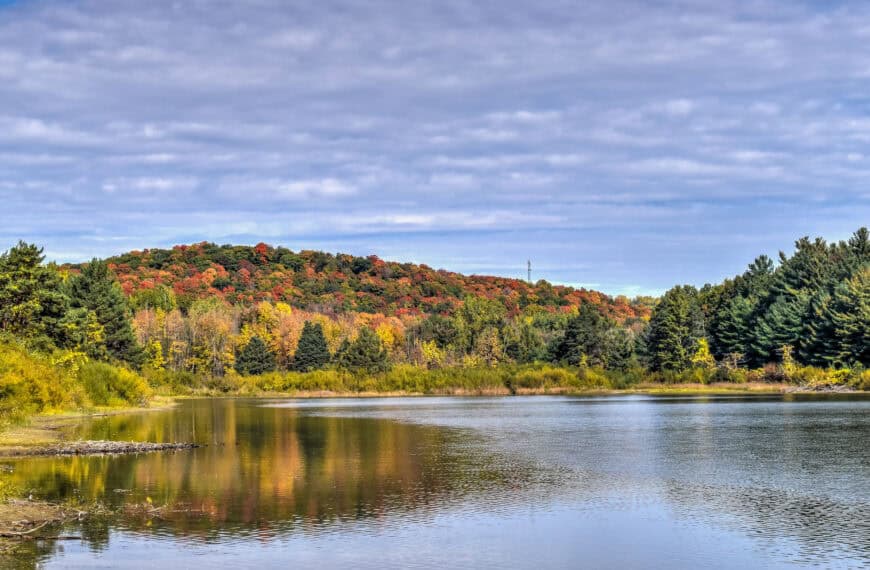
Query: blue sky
[623,146]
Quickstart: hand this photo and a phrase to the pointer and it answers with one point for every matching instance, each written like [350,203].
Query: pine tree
[255,358]
[584,338]
[819,342]
[731,327]
[96,289]
[849,313]
[365,354]
[675,327]
[619,353]
[781,325]
[312,352]
[31,300]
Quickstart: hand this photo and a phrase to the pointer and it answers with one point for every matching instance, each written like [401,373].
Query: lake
[532,482]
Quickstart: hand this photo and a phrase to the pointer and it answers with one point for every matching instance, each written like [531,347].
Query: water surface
[611,482]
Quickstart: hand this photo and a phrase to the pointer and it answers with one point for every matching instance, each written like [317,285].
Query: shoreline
[45,430]
[688,389]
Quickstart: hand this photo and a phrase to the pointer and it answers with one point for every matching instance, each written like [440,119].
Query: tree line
[810,308]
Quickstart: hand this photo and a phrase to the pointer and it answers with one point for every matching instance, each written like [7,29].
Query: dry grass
[714,388]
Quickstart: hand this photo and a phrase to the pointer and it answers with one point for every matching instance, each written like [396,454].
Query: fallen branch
[13,534]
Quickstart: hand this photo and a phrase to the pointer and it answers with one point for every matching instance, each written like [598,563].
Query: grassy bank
[508,379]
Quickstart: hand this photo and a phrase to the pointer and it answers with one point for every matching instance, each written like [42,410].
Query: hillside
[335,284]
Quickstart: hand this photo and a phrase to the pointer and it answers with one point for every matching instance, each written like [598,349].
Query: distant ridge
[338,283]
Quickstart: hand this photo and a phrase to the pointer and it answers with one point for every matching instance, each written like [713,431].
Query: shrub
[32,382]
[109,385]
[546,377]
[593,378]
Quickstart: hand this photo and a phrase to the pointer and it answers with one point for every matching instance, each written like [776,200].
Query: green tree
[158,297]
[524,342]
[675,327]
[96,289]
[255,358]
[365,354]
[32,302]
[312,352]
[584,338]
[732,325]
[849,314]
[780,325]
[475,316]
[439,329]
[732,320]
[619,351]
[80,330]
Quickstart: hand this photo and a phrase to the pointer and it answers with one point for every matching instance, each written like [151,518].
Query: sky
[619,145]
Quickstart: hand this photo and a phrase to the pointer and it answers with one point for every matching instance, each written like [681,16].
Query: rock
[96,448]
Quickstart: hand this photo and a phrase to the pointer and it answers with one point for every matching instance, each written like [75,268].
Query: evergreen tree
[583,341]
[32,302]
[730,324]
[849,314]
[819,343]
[758,277]
[365,354]
[255,358]
[312,352]
[96,289]
[781,325]
[619,353]
[675,327]
[859,248]
[731,327]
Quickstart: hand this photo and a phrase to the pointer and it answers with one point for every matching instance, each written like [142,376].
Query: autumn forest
[239,319]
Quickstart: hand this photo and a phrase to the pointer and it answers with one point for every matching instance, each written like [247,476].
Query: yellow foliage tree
[703,358]
[433,357]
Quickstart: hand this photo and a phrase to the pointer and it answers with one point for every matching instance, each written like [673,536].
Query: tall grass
[502,379]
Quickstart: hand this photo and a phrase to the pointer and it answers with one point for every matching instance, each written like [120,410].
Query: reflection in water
[268,467]
[521,481]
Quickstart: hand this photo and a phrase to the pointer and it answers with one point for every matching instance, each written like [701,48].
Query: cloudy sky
[620,145]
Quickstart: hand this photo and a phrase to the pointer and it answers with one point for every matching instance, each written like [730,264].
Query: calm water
[616,482]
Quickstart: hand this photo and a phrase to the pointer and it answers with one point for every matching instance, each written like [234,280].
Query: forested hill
[335,284]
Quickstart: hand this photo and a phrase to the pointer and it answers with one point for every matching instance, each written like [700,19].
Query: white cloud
[320,187]
[558,124]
